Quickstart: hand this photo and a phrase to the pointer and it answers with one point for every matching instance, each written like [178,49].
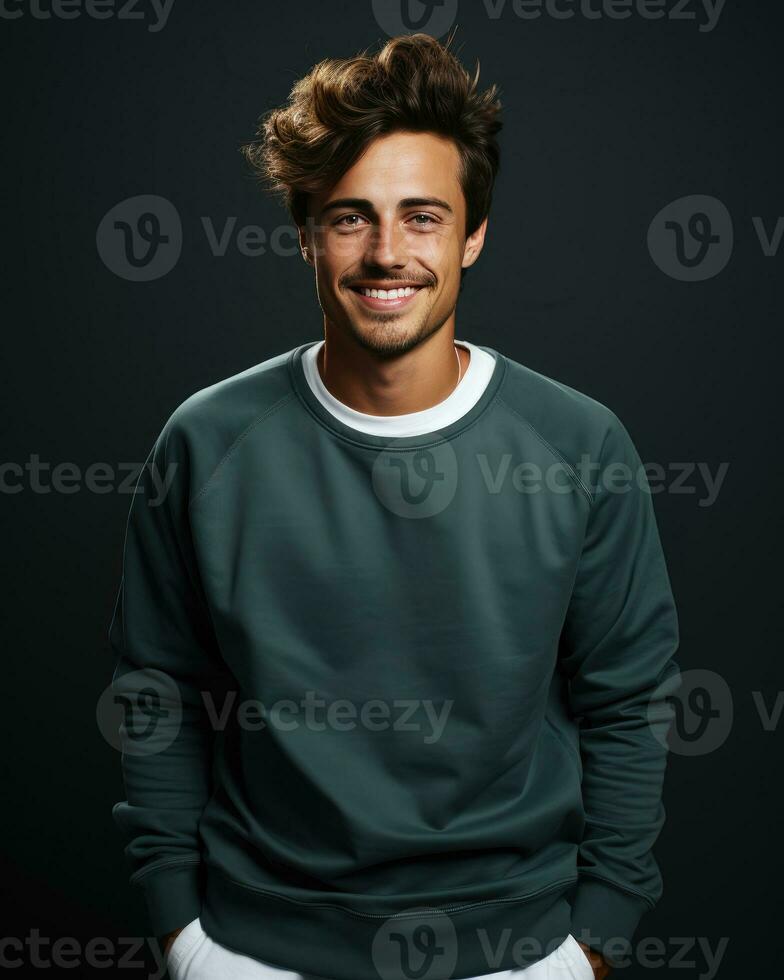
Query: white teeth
[388,293]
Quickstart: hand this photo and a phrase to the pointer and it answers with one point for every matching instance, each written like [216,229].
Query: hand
[600,965]
[169,938]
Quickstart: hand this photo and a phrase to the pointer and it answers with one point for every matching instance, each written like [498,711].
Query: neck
[380,384]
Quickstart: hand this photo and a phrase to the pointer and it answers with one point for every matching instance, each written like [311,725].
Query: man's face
[395,221]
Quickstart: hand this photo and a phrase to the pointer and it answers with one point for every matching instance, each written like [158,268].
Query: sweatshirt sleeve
[166,661]
[618,646]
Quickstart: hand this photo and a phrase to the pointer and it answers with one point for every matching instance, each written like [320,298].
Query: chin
[387,333]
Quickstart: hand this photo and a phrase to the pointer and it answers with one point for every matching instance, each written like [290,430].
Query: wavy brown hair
[413,83]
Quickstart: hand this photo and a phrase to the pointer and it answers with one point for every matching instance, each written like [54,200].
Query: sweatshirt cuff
[605,918]
[173,897]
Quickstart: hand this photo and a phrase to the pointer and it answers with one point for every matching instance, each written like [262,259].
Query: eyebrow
[363,204]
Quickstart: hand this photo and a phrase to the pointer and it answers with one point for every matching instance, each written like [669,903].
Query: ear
[473,245]
[305,244]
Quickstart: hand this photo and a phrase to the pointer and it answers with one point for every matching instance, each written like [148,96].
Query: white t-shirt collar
[463,398]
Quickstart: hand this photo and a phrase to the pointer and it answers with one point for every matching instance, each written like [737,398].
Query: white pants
[194,956]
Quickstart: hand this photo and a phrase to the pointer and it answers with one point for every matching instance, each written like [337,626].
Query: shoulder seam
[232,448]
[570,469]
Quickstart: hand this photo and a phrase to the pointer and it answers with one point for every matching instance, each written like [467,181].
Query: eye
[423,219]
[349,220]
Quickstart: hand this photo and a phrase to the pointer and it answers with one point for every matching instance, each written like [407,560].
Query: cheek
[343,250]
[438,251]
[447,249]
[338,252]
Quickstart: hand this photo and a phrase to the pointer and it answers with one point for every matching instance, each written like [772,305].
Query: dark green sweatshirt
[377,688]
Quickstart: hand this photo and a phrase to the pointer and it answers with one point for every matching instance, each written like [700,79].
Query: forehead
[401,165]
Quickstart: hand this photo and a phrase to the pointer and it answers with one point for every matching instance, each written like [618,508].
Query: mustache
[349,280]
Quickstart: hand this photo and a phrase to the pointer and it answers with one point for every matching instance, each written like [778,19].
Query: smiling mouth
[386,299]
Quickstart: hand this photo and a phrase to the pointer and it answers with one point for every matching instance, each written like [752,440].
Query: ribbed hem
[432,943]
[605,918]
[173,896]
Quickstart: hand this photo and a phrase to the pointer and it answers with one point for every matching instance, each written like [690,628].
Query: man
[397,644]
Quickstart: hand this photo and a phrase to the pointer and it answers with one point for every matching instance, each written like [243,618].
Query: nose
[387,246]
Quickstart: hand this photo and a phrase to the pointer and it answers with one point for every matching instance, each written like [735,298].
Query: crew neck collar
[460,400]
[439,434]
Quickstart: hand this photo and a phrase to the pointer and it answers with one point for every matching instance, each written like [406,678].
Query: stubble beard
[383,339]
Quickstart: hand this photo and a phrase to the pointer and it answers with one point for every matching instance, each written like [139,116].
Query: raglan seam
[280,403]
[570,469]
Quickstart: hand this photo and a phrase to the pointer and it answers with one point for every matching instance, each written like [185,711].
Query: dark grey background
[606,122]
